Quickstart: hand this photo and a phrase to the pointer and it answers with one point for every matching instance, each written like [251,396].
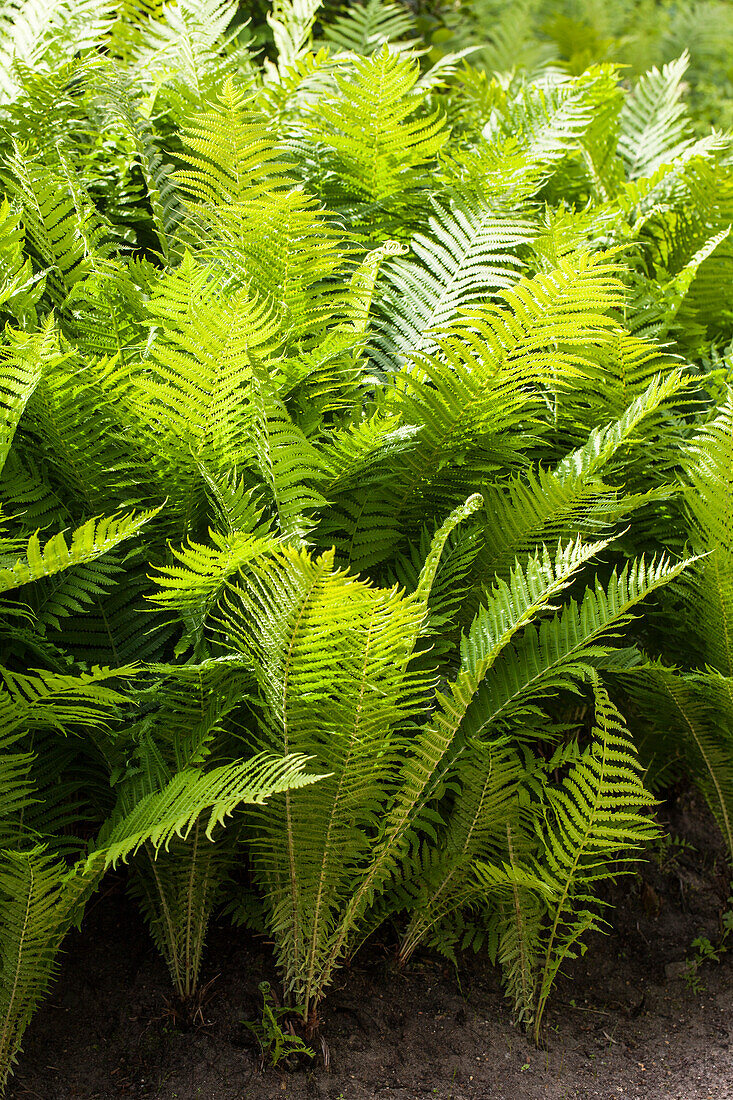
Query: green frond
[521,896]
[361,522]
[182,44]
[469,255]
[594,821]
[20,287]
[555,118]
[488,777]
[363,282]
[434,751]
[193,795]
[118,96]
[41,899]
[364,28]
[247,215]
[88,542]
[288,464]
[434,556]
[190,424]
[372,123]
[20,372]
[75,592]
[291,22]
[59,701]
[187,713]
[63,228]
[41,33]
[654,128]
[483,382]
[571,499]
[330,653]
[75,424]
[17,789]
[694,714]
[232,157]
[120,625]
[177,890]
[193,586]
[562,651]
[708,464]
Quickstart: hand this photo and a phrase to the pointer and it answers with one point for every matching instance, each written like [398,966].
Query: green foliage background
[366,545]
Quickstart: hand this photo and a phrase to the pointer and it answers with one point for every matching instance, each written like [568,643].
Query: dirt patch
[626,1027]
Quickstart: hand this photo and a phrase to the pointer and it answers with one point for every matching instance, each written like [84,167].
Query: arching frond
[653,126]
[90,541]
[468,256]
[192,796]
[572,498]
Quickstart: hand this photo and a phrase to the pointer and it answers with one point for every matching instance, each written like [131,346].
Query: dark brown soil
[627,1027]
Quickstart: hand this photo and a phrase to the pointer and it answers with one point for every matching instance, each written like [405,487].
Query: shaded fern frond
[41,899]
[363,28]
[594,821]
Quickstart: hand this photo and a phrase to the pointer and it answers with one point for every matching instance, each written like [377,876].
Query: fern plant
[689,692]
[589,828]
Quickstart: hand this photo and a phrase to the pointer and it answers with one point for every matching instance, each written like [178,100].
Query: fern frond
[193,586]
[20,287]
[488,777]
[20,372]
[193,795]
[59,701]
[433,752]
[41,899]
[697,710]
[39,33]
[330,653]
[288,464]
[88,542]
[469,255]
[364,28]
[63,227]
[594,822]
[654,128]
[184,44]
[563,650]
[708,461]
[291,22]
[232,156]
[382,149]
[554,504]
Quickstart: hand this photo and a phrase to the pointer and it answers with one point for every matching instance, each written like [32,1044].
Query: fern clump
[362,407]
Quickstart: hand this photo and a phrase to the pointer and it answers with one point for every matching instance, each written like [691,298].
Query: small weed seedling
[274,1031]
[706,951]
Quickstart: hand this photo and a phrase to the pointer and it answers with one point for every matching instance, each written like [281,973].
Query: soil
[624,1025]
